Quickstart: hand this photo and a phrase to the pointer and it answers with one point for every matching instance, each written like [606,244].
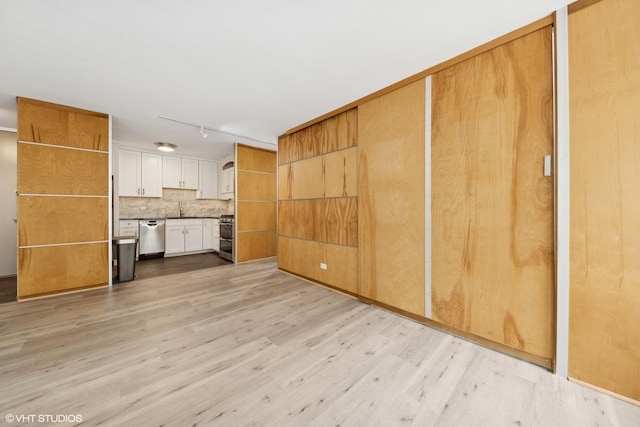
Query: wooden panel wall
[604,60]
[63,239]
[256,201]
[318,203]
[391,198]
[303,257]
[492,215]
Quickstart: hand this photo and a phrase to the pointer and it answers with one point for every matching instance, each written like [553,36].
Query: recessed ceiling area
[248,68]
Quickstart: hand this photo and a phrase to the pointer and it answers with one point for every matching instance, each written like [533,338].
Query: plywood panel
[283,149]
[341,173]
[306,179]
[284,180]
[254,245]
[51,170]
[492,208]
[604,55]
[256,186]
[255,159]
[51,220]
[325,220]
[391,198]
[303,257]
[60,125]
[341,131]
[252,216]
[50,269]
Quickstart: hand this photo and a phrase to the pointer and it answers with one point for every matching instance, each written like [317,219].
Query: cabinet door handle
[143,191]
[138,191]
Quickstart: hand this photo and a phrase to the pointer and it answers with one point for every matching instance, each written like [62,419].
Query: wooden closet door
[492,208]
[604,64]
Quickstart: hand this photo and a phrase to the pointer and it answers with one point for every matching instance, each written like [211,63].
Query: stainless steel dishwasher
[152,238]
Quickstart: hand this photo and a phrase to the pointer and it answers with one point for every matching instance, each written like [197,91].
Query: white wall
[8,185]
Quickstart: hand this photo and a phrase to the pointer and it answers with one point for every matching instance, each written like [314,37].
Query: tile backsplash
[169,205]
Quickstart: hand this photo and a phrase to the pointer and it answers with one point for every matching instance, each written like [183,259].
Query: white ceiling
[249,67]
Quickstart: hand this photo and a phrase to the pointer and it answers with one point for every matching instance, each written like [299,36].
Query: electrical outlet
[323,266]
[143,208]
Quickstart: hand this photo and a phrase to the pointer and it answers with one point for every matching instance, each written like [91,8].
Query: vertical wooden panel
[256,205]
[283,149]
[325,220]
[341,131]
[391,198]
[284,182]
[254,186]
[61,125]
[255,159]
[256,216]
[492,208]
[63,154]
[341,173]
[303,257]
[50,269]
[256,245]
[604,59]
[306,179]
[51,170]
[55,220]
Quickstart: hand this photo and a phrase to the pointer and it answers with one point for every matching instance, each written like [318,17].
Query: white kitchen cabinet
[179,172]
[207,180]
[216,234]
[227,178]
[183,236]
[207,233]
[139,174]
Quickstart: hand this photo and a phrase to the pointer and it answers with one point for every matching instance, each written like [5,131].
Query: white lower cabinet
[216,234]
[183,235]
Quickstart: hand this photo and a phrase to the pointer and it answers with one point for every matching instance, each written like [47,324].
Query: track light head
[202,132]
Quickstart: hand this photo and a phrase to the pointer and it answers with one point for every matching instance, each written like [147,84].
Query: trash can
[126,255]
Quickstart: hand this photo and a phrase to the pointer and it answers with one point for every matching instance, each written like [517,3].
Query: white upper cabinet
[179,172]
[139,174]
[227,178]
[208,180]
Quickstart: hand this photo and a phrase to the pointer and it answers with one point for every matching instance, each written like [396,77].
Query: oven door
[226,230]
[226,249]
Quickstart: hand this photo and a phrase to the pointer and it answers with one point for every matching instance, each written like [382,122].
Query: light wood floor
[249,346]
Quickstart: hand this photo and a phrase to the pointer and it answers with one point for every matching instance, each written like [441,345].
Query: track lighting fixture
[165,146]
[204,134]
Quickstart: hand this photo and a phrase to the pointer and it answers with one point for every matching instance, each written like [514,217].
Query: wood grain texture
[283,149]
[256,186]
[52,220]
[341,173]
[255,159]
[604,59]
[341,131]
[50,269]
[251,216]
[284,182]
[60,125]
[324,220]
[253,245]
[303,257]
[492,208]
[246,345]
[51,170]
[391,198]
[306,179]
